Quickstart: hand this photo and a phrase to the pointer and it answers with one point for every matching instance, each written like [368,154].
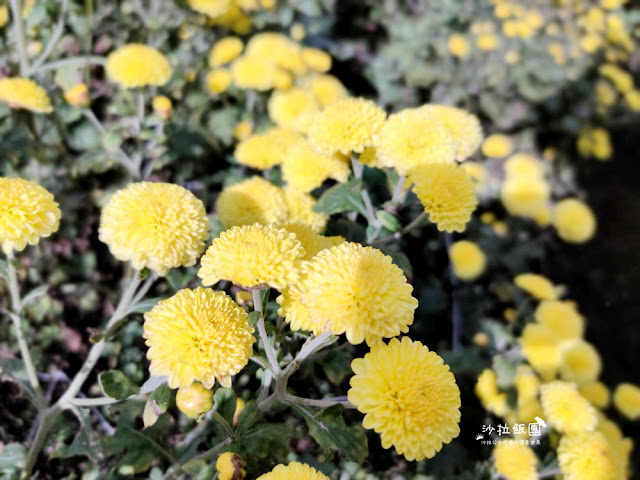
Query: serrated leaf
[225,403]
[344,197]
[247,417]
[116,385]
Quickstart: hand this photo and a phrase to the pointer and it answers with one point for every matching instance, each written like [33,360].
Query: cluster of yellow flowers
[591,446]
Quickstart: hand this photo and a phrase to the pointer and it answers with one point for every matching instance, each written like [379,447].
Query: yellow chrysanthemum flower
[304,169]
[316,59]
[266,150]
[211,8]
[515,461]
[527,384]
[285,107]
[326,89]
[580,363]
[626,398]
[574,221]
[277,49]
[458,45]
[242,130]
[464,127]
[24,93]
[198,335]
[524,196]
[218,81]
[27,212]
[414,137]
[252,256]
[486,390]
[254,200]
[621,447]
[537,286]
[162,106]
[252,72]
[587,456]
[353,290]
[301,209]
[541,348]
[565,409]
[136,65]
[346,126]
[78,95]
[497,145]
[523,165]
[155,225]
[467,259]
[295,470]
[225,51]
[311,241]
[447,194]
[597,393]
[408,396]
[562,319]
[231,466]
[487,42]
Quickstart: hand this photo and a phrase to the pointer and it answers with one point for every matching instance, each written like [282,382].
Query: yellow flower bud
[481,339]
[298,32]
[230,466]
[162,106]
[78,96]
[242,131]
[194,400]
[239,407]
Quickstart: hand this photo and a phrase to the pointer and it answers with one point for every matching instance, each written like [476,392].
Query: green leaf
[253,318]
[157,404]
[327,427]
[116,385]
[14,368]
[505,371]
[343,197]
[225,403]
[12,456]
[34,294]
[389,221]
[144,306]
[336,365]
[247,417]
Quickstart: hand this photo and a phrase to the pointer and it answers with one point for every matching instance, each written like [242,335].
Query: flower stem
[55,37]
[93,402]
[326,402]
[456,311]
[72,61]
[549,472]
[398,191]
[46,422]
[21,42]
[272,356]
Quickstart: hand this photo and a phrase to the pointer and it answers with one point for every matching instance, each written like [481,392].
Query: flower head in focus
[565,409]
[295,470]
[155,225]
[311,241]
[515,461]
[252,256]
[346,126]
[353,290]
[198,335]
[408,396]
[27,212]
[24,93]
[447,194]
[136,65]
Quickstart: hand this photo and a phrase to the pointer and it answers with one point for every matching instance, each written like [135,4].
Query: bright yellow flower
[194,400]
[230,466]
[527,384]
[415,413]
[326,89]
[136,65]
[565,409]
[311,241]
[242,130]
[524,196]
[27,212]
[497,145]
[78,95]
[414,137]
[24,93]
[486,390]
[266,150]
[211,8]
[523,165]
[279,50]
[301,209]
[596,392]
[477,172]
[515,461]
[353,290]
[447,194]
[458,45]
[285,107]
[252,256]
[481,339]
[254,200]
[464,127]
[155,225]
[621,447]
[587,456]
[537,286]
[487,42]
[295,470]
[580,363]
[467,259]
[574,221]
[541,348]
[346,126]
[162,106]
[252,72]
[198,335]
[316,59]
[304,169]
[562,319]
[626,398]
[218,80]
[225,50]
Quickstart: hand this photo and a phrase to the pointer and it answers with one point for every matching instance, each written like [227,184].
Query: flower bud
[239,407]
[242,130]
[230,466]
[162,106]
[194,400]
[78,96]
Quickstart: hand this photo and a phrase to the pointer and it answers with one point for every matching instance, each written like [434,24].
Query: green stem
[21,42]
[323,403]
[93,402]
[216,417]
[549,472]
[398,191]
[46,422]
[55,37]
[72,61]
[272,356]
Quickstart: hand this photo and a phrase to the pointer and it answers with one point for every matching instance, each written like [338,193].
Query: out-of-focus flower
[465,128]
[515,461]
[266,150]
[301,209]
[286,106]
[27,213]
[252,256]
[298,31]
[311,241]
[574,221]
[486,390]
[542,349]
[487,42]
[537,286]
[194,400]
[580,363]
[497,145]
[218,80]
[458,45]
[597,393]
[316,59]
[467,259]
[524,196]
[304,169]
[78,96]
[326,89]
[416,414]
[626,398]
[155,225]
[212,8]
[198,335]
[162,106]
[562,319]
[565,409]
[353,290]
[252,72]
[225,51]
[136,65]
[24,93]
[242,130]
[295,470]
[587,456]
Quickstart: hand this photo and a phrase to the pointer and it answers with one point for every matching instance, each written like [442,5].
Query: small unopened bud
[194,400]
[78,96]
[481,339]
[34,48]
[162,106]
[230,466]
[242,130]
[239,407]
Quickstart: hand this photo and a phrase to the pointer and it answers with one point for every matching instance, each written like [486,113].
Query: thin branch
[71,61]
[323,403]
[93,402]
[272,356]
[21,42]
[55,37]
